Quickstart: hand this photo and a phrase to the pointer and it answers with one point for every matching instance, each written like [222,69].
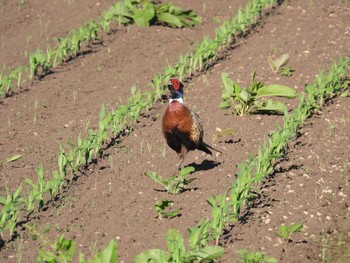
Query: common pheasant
[182,127]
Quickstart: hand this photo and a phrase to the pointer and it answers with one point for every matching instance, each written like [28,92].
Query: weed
[174,184]
[177,250]
[162,205]
[285,231]
[246,256]
[249,100]
[222,133]
[278,65]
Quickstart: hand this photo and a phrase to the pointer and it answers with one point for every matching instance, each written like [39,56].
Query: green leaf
[295,228]
[107,255]
[186,171]
[143,16]
[223,133]
[344,94]
[175,243]
[13,158]
[244,95]
[157,178]
[152,255]
[169,19]
[210,253]
[224,105]
[276,90]
[278,63]
[269,106]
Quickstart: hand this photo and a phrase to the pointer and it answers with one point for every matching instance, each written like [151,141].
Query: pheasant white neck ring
[177,99]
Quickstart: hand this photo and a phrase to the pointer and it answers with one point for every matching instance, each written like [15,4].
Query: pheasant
[182,127]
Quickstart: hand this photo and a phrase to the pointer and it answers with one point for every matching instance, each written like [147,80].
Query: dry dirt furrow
[310,187]
[28,25]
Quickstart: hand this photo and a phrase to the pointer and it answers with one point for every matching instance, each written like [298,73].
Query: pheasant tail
[205,148]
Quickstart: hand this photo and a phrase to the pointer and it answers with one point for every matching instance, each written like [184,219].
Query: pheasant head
[176,90]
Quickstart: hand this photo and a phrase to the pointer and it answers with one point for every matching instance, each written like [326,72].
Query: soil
[113,198]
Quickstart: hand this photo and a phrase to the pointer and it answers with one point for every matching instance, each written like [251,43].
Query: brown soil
[114,199]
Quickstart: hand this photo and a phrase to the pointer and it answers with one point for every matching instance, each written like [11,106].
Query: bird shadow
[205,165]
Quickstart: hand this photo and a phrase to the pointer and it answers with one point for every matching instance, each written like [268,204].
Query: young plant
[10,159]
[62,250]
[162,205]
[222,133]
[177,251]
[246,256]
[107,255]
[278,65]
[38,60]
[145,13]
[285,231]
[245,101]
[221,214]
[174,184]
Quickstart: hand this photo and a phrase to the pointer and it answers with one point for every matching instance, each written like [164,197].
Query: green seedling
[244,101]
[162,205]
[286,71]
[278,64]
[177,251]
[10,159]
[246,256]
[107,255]
[38,60]
[285,231]
[36,191]
[10,211]
[62,250]
[174,184]
[221,214]
[222,133]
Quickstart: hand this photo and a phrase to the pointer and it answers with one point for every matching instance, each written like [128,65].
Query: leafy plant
[249,100]
[174,184]
[285,231]
[174,16]
[38,60]
[286,71]
[162,205]
[177,251]
[223,133]
[62,250]
[145,13]
[107,255]
[278,65]
[246,256]
[220,211]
